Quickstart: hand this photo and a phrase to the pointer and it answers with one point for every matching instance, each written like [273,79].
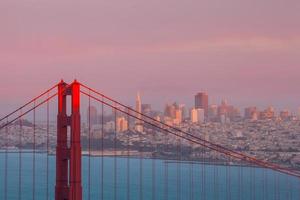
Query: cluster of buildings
[261,133]
[180,115]
[254,114]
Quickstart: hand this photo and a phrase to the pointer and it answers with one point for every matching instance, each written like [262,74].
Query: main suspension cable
[225,150]
[205,143]
[28,103]
[28,111]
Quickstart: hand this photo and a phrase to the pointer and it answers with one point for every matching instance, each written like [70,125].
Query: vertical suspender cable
[217,179]
[154,166]
[277,186]
[20,157]
[239,181]
[191,172]
[266,184]
[115,156]
[178,168]
[128,157]
[215,176]
[89,150]
[263,184]
[298,186]
[251,182]
[285,188]
[47,166]
[229,179]
[290,188]
[202,174]
[179,171]
[33,159]
[102,149]
[141,164]
[242,181]
[166,192]
[6,161]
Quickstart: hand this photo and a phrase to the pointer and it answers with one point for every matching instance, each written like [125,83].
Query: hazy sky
[245,51]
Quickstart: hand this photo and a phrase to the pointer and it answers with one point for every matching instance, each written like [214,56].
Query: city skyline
[248,52]
[143,100]
[201,112]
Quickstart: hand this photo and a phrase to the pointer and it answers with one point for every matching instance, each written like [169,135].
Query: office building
[201,101]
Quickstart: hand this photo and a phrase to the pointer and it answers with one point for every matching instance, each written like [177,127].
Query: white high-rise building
[197,115]
[138,108]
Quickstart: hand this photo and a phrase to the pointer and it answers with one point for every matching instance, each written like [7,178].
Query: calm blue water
[184,180]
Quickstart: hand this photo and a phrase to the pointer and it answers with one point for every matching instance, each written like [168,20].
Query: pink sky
[245,51]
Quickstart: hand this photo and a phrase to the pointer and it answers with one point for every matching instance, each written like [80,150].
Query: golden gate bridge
[170,169]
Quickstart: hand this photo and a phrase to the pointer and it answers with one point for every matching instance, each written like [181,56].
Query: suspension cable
[207,144]
[28,103]
[228,151]
[28,111]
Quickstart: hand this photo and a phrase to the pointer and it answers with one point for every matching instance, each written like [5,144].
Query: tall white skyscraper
[138,108]
[138,103]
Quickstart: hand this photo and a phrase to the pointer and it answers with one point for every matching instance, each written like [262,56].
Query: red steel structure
[68,159]
[68,183]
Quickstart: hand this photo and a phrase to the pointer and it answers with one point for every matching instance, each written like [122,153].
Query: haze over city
[146,100]
[245,52]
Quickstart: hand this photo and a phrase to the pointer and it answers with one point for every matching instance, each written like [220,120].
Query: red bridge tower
[68,156]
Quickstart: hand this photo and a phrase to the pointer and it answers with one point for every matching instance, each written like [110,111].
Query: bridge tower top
[68,156]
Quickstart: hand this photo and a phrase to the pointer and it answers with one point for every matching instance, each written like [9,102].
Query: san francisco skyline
[247,52]
[143,100]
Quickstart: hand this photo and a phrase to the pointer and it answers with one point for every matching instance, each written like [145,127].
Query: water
[255,183]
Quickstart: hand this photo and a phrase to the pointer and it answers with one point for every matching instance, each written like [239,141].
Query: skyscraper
[138,103]
[138,108]
[201,101]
